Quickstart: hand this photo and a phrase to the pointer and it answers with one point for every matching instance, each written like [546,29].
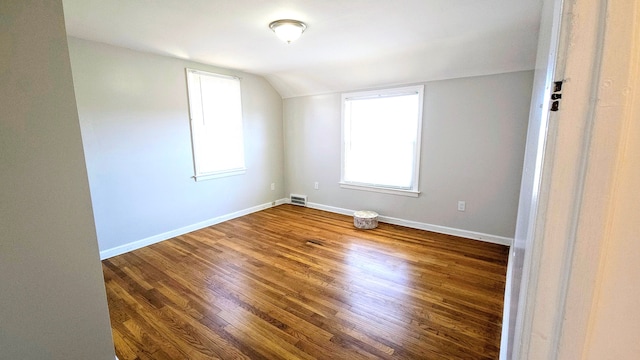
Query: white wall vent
[300,200]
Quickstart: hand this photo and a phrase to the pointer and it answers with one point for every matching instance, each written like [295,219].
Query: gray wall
[473,141]
[135,127]
[52,296]
[134,119]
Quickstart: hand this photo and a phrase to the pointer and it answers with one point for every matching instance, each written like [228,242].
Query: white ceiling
[348,45]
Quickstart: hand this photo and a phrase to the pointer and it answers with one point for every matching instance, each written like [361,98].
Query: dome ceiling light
[288,30]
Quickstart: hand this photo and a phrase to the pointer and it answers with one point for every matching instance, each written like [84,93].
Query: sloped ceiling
[348,45]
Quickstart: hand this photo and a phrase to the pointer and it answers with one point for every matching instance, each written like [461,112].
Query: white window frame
[197,124]
[413,190]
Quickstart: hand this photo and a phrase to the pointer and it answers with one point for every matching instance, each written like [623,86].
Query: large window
[216,124]
[381,140]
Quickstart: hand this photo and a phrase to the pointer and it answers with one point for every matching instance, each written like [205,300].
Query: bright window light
[381,140]
[216,124]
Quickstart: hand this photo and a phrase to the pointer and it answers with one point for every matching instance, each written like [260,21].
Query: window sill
[401,192]
[220,174]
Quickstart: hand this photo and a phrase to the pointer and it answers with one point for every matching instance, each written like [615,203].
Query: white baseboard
[118,250]
[495,239]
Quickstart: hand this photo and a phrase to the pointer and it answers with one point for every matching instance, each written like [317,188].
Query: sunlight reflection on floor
[379,285]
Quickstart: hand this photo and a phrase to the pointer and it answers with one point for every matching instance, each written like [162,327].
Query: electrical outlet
[273,186]
[316,185]
[462,205]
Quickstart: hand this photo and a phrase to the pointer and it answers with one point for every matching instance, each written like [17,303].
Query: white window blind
[216,124]
[381,140]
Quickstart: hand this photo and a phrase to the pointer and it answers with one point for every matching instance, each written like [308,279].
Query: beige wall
[613,324]
[52,296]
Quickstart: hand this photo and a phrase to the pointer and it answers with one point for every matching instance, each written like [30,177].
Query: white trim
[507,312]
[403,192]
[219,174]
[494,239]
[208,73]
[119,250]
[281,201]
[522,269]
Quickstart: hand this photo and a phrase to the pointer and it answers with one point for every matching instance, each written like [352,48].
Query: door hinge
[556,96]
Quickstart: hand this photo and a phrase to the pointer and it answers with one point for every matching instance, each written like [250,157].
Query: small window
[215,110]
[381,140]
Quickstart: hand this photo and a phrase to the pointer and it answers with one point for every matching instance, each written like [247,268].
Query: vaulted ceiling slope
[348,45]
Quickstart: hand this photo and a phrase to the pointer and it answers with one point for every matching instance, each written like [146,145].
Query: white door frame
[566,242]
[521,269]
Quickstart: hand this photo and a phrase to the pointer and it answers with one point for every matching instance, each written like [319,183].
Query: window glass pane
[216,122]
[381,139]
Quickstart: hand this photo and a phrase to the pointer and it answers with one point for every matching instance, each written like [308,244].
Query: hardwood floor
[297,283]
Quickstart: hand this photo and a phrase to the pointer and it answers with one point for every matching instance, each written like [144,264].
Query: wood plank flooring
[297,283]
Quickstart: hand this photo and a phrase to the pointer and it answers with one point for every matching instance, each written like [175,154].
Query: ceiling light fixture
[288,30]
